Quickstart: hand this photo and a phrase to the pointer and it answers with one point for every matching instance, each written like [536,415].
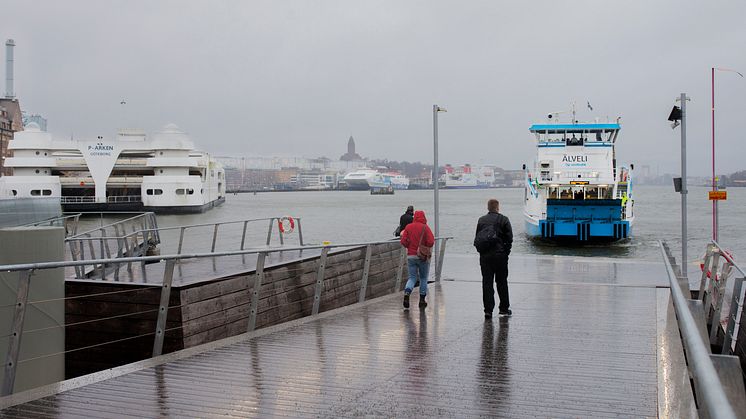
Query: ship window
[591,193]
[180,191]
[565,193]
[37,153]
[161,170]
[35,192]
[15,192]
[190,191]
[46,192]
[149,192]
[553,193]
[158,191]
[37,171]
[201,191]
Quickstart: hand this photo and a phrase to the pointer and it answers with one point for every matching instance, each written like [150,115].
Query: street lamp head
[437,108]
[675,114]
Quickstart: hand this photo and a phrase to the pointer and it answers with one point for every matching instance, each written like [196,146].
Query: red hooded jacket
[410,237]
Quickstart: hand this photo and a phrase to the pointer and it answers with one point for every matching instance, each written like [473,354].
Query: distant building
[11,121]
[351,155]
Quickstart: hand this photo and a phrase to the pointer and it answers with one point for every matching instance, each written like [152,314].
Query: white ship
[576,191]
[131,172]
[364,179]
[460,178]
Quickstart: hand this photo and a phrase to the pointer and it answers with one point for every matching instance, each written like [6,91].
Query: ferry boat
[131,172]
[576,192]
[364,179]
[460,178]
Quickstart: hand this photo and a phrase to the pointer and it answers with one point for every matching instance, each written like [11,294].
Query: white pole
[684,191]
[435,177]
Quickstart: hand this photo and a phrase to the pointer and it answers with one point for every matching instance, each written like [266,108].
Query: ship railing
[717,380]
[27,271]
[93,200]
[140,241]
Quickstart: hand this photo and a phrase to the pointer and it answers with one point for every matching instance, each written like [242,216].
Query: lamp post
[715,215]
[436,208]
[678,117]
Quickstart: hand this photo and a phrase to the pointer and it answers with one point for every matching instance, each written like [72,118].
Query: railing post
[366,271]
[711,284]
[81,247]
[319,281]
[441,255]
[255,290]
[400,272]
[269,231]
[160,328]
[300,231]
[279,232]
[243,235]
[735,303]
[214,236]
[181,240]
[720,286]
[14,340]
[705,269]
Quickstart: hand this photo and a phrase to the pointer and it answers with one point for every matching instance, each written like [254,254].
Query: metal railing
[710,393]
[26,273]
[92,199]
[713,289]
[69,222]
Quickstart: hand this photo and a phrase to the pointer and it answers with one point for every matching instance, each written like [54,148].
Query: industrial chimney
[9,44]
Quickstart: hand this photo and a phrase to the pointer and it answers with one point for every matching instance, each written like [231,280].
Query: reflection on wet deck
[581,342]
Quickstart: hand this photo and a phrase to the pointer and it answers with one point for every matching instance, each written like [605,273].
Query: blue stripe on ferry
[574,127]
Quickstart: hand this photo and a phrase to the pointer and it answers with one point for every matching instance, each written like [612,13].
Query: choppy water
[353,216]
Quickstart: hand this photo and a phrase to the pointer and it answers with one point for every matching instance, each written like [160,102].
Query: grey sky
[300,77]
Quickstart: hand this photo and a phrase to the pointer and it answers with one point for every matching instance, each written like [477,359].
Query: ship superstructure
[576,191]
[132,172]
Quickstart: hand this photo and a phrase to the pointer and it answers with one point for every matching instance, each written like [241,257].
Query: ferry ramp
[589,337]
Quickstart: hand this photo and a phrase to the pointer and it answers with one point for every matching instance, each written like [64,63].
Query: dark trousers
[494,268]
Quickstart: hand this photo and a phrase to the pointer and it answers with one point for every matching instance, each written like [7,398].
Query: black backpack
[487,238]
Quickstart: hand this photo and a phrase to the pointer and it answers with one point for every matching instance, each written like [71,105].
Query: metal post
[436,208]
[441,255]
[255,290]
[243,235]
[400,272]
[14,340]
[684,191]
[319,281]
[269,230]
[160,328]
[300,231]
[366,271]
[707,301]
[181,240]
[735,302]
[705,269]
[714,186]
[279,232]
[719,289]
[214,237]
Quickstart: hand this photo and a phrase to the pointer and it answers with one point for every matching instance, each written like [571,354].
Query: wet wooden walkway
[582,343]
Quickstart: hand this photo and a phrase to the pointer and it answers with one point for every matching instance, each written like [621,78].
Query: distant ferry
[575,191]
[162,173]
[364,179]
[463,178]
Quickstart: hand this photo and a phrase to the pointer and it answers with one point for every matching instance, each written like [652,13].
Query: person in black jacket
[494,261]
[405,220]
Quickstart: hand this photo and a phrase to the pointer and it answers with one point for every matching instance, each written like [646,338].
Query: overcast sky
[275,77]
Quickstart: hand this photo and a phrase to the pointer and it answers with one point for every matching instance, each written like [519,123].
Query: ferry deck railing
[26,272]
[92,199]
[711,395]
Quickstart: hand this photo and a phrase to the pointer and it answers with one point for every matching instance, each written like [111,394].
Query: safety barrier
[336,278]
[718,394]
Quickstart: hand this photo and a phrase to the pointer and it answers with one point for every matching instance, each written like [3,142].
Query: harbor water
[354,216]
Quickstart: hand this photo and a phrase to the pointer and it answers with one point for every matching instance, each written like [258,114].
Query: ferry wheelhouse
[576,191]
[132,172]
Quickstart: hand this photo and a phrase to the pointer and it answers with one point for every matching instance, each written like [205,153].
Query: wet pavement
[581,343]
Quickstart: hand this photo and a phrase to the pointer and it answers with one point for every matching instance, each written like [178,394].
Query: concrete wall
[27,245]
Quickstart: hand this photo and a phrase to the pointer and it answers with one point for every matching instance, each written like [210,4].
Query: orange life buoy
[286,224]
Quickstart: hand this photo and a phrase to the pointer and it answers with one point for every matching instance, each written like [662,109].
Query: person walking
[418,239]
[405,220]
[493,240]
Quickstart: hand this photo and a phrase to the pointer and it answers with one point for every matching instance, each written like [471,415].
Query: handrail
[162,258]
[710,389]
[143,215]
[728,258]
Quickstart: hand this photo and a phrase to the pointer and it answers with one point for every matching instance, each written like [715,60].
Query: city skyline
[300,78]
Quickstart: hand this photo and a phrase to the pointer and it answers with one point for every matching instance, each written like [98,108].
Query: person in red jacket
[415,234]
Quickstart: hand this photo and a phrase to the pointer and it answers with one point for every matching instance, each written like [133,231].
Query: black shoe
[506,313]
[406,300]
[423,303]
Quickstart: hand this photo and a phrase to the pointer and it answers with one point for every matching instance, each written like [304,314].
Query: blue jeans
[417,266]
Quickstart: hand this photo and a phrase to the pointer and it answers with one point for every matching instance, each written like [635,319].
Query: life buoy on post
[286,224]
